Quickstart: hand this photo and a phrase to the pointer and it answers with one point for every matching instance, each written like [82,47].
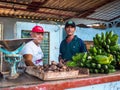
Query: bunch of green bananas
[101,64]
[102,59]
[105,41]
[105,51]
[78,60]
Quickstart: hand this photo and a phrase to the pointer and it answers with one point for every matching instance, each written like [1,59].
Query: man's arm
[60,59]
[28,59]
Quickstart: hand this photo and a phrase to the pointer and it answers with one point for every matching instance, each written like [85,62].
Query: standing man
[71,44]
[32,52]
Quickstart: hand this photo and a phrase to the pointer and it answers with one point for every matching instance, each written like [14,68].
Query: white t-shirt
[34,50]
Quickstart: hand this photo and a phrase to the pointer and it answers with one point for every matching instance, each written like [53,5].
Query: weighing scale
[11,50]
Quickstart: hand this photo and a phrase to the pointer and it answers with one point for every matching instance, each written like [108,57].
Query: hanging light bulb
[32,17]
[28,17]
[20,16]
[24,17]
[51,19]
[36,18]
[48,18]
[62,20]
[58,20]
[55,19]
[40,18]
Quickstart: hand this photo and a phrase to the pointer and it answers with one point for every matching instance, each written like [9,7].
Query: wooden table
[27,82]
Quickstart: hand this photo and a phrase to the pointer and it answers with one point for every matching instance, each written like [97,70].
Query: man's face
[37,36]
[70,30]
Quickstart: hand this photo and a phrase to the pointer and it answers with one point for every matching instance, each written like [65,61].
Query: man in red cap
[32,52]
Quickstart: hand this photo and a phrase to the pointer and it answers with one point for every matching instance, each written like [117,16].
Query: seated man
[32,52]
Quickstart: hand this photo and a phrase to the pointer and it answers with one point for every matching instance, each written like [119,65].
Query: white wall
[104,86]
[8,27]
[89,33]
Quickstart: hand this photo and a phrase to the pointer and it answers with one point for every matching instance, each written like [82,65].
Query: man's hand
[61,60]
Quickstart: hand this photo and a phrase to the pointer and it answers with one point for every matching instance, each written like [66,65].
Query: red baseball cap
[38,29]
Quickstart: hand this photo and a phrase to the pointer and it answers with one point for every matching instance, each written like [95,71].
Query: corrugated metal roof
[101,10]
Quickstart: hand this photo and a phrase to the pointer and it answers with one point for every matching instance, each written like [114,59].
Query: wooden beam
[85,14]
[43,12]
[34,6]
[45,7]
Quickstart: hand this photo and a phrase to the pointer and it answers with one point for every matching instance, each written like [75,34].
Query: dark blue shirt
[67,50]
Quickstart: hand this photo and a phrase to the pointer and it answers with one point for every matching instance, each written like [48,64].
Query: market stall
[98,29]
[73,74]
[27,82]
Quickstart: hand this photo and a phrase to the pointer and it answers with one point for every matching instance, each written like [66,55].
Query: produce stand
[101,57]
[28,82]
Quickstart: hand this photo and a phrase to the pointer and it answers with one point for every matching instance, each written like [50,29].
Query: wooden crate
[82,72]
[88,44]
